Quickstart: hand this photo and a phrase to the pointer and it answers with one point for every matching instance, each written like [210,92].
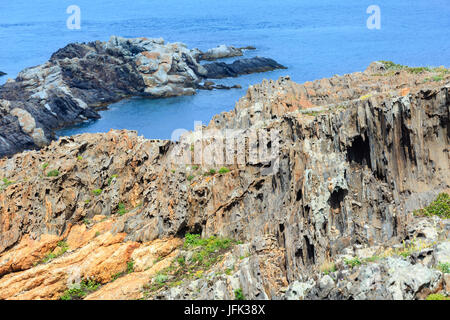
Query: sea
[313,39]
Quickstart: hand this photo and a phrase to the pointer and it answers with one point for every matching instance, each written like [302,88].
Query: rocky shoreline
[357,207]
[82,77]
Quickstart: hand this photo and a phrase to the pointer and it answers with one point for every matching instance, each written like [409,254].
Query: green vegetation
[205,253]
[353,262]
[87,201]
[211,172]
[130,266]
[80,291]
[328,267]
[53,173]
[173,171]
[181,261]
[121,209]
[238,295]
[6,183]
[444,267]
[79,158]
[194,167]
[110,180]
[437,296]
[224,170]
[372,259]
[416,70]
[116,276]
[439,207]
[97,192]
[62,247]
[44,166]
[190,177]
[86,221]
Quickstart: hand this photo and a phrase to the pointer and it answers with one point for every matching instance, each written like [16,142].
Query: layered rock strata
[355,155]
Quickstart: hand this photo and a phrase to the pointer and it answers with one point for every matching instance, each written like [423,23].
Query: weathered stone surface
[218,70]
[83,77]
[223,51]
[356,156]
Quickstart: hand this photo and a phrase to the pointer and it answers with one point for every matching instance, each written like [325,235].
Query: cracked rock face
[356,154]
[83,77]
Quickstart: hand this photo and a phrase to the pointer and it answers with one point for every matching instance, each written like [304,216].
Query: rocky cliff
[351,203]
[81,78]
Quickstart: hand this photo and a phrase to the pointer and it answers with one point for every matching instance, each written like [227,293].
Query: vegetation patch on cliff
[199,255]
[81,290]
[439,207]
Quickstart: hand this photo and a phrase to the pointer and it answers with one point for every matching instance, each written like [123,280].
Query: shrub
[80,291]
[130,266]
[328,267]
[161,279]
[224,170]
[53,173]
[353,262]
[444,267]
[62,246]
[121,209]
[238,295]
[97,192]
[190,177]
[6,183]
[439,207]
[437,296]
[44,166]
[114,176]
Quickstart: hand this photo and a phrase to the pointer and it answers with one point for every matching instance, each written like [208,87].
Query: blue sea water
[314,39]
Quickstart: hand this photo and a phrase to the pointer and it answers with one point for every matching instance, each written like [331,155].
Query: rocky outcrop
[218,70]
[83,77]
[223,51]
[328,216]
[2,74]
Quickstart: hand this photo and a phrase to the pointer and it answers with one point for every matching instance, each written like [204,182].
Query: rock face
[80,78]
[329,217]
[218,70]
[220,52]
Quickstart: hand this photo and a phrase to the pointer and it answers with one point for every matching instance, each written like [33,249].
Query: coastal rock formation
[218,70]
[81,78]
[2,74]
[329,216]
[223,51]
